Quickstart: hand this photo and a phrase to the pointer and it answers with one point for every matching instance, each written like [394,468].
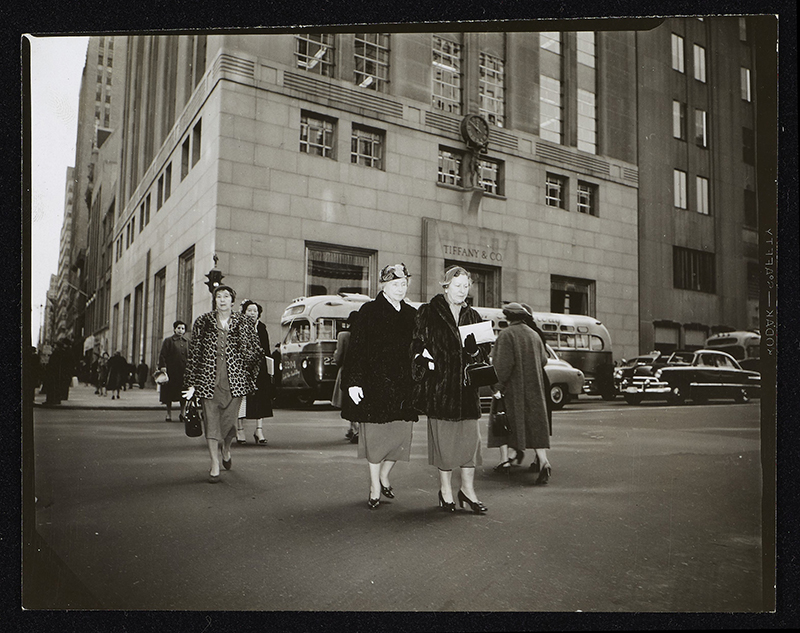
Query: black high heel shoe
[544,475]
[387,491]
[518,456]
[240,436]
[444,506]
[373,503]
[477,506]
[503,467]
[259,440]
[535,466]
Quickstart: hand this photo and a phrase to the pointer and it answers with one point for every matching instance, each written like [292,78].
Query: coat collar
[442,308]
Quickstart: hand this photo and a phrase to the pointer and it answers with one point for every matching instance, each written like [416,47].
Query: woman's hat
[394,271]
[515,309]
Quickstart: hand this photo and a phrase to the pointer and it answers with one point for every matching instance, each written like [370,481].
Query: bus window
[567,328]
[753,351]
[551,338]
[567,340]
[326,329]
[595,343]
[299,332]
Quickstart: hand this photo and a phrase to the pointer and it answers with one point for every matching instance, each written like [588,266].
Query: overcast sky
[56,67]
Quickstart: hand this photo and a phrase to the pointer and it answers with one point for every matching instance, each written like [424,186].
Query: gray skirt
[388,441]
[220,414]
[454,444]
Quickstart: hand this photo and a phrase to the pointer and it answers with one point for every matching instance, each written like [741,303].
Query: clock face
[475,130]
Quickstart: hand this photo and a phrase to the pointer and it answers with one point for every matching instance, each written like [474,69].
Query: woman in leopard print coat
[223,362]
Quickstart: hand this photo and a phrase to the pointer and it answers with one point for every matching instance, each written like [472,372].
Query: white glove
[427,354]
[497,395]
[188,393]
[356,394]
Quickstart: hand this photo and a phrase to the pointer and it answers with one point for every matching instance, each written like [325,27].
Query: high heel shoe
[259,440]
[503,466]
[519,456]
[477,506]
[535,466]
[387,491]
[544,475]
[240,439]
[444,506]
[373,503]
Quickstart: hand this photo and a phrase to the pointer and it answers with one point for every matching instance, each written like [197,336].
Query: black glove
[470,345]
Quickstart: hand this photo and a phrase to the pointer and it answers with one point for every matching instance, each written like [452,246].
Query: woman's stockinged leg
[375,480]
[213,451]
[386,468]
[445,485]
[467,482]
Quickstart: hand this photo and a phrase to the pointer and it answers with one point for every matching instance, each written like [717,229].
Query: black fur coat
[441,393]
[378,361]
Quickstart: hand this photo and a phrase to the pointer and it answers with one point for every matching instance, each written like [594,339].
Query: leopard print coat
[242,355]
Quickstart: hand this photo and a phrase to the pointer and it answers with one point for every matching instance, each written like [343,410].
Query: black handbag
[479,375]
[193,418]
[499,418]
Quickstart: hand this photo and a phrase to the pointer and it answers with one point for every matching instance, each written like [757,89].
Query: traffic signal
[214,279]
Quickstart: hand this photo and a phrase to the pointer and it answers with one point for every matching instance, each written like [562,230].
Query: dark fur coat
[441,392]
[378,361]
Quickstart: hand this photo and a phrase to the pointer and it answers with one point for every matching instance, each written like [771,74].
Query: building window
[147,210]
[679,120]
[491,89]
[693,270]
[185,285]
[555,191]
[371,56]
[332,269]
[699,63]
[570,295]
[196,134]
[107,117]
[702,195]
[679,187]
[185,159]
[586,48]
[550,41]
[366,147]
[742,29]
[745,75]
[587,198]
[490,173]
[167,182]
[446,94]
[750,208]
[126,324]
[141,217]
[160,192]
[587,121]
[314,53]
[450,162]
[316,135]
[748,146]
[677,53]
[550,109]
[700,128]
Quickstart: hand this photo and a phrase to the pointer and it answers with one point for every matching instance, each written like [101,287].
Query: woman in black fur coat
[452,407]
[376,380]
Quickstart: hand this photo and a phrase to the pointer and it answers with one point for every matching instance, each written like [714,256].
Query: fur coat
[441,392]
[519,358]
[259,402]
[242,355]
[378,361]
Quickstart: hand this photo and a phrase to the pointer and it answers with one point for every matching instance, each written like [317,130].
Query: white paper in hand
[483,332]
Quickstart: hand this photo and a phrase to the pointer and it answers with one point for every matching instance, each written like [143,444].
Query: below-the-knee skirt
[454,444]
[389,440]
[219,415]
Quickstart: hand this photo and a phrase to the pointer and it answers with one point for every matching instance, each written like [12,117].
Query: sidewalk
[84,397]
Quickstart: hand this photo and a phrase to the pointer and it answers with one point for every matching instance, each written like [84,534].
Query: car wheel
[677,395]
[633,398]
[742,397]
[609,395]
[558,397]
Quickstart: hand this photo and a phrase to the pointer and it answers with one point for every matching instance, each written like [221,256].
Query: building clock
[475,130]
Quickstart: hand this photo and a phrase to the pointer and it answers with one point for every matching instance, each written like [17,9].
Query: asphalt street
[650,509]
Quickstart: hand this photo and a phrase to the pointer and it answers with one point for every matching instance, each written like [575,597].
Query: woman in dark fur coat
[453,408]
[376,379]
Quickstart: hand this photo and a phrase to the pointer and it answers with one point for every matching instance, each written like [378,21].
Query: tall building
[65,288]
[306,162]
[698,215]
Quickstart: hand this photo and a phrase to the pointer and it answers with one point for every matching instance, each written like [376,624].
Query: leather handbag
[193,418]
[479,375]
[160,376]
[499,418]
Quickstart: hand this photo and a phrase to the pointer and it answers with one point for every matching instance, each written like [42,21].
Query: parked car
[566,382]
[697,375]
[627,364]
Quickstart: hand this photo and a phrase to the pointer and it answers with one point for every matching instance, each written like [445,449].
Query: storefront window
[335,269]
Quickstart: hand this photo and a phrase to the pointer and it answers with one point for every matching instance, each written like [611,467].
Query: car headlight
[305,363]
[657,374]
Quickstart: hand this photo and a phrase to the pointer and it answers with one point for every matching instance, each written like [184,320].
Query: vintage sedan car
[566,382]
[627,364]
[697,375]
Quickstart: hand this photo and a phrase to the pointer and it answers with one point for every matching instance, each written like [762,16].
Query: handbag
[479,375]
[160,376]
[499,418]
[193,418]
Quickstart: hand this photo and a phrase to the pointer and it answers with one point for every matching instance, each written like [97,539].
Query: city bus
[744,346]
[309,327]
[582,341]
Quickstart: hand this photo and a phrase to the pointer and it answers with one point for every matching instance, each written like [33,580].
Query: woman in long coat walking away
[223,362]
[342,345]
[376,380]
[441,390]
[519,357]
[257,405]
